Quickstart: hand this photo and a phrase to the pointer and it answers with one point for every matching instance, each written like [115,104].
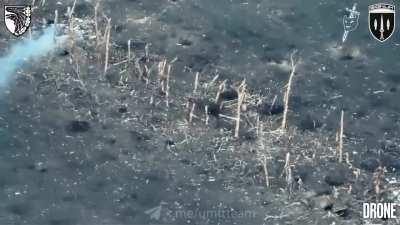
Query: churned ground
[133,120]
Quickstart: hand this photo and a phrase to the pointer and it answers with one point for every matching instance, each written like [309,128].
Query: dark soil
[82,147]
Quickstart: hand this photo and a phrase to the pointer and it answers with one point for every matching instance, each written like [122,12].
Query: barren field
[174,112]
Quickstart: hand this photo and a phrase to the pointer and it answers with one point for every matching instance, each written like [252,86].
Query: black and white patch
[17,18]
[381,21]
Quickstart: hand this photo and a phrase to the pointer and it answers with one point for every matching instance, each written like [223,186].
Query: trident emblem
[381,21]
[350,22]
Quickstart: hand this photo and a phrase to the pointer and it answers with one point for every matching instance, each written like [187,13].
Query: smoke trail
[24,51]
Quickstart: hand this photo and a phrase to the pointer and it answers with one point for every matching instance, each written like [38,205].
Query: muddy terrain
[133,118]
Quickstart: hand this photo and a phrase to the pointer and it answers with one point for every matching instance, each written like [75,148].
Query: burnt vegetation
[143,118]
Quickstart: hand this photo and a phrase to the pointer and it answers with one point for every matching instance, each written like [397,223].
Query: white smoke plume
[26,50]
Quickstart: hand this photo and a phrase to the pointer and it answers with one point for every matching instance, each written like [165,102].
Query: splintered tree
[242,95]
[288,90]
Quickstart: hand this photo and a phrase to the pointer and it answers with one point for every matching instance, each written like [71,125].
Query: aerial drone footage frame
[199,112]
